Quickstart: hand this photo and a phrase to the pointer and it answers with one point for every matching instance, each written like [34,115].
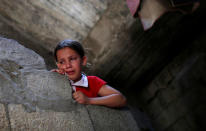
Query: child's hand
[58,71]
[80,97]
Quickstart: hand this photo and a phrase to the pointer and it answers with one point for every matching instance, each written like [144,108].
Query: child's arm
[108,97]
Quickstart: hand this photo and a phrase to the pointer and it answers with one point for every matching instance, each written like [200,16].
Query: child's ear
[84,60]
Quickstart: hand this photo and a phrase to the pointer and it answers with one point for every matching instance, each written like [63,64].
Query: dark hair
[76,46]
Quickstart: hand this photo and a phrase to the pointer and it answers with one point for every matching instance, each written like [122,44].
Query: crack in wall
[92,122]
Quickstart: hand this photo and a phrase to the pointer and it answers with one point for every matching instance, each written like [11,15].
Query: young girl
[70,58]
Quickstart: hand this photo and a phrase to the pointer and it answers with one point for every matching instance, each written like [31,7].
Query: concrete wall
[40,24]
[175,98]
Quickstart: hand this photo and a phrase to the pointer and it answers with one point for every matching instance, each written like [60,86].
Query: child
[70,58]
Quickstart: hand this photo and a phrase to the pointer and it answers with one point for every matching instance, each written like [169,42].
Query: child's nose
[68,64]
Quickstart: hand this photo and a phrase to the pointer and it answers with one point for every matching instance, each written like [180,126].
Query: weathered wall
[108,38]
[129,59]
[41,24]
[175,98]
[127,53]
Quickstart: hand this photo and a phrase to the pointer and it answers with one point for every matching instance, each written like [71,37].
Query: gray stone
[47,120]
[10,50]
[24,80]
[109,119]
[47,90]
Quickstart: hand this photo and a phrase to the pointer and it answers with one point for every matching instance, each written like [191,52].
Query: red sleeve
[95,83]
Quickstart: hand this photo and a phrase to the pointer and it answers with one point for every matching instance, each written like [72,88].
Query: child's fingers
[53,70]
[80,97]
[58,71]
[61,72]
[75,95]
[79,100]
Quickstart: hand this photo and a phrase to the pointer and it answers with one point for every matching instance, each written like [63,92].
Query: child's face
[70,62]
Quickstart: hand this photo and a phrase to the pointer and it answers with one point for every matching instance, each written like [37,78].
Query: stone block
[167,95]
[161,82]
[154,108]
[12,51]
[34,88]
[193,73]
[181,125]
[164,78]
[46,90]
[181,107]
[109,119]
[77,120]
[183,97]
[169,116]
[152,89]
[162,121]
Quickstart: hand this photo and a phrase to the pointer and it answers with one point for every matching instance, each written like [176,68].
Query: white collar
[83,82]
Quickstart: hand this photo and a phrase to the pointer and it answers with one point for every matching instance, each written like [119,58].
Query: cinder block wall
[175,99]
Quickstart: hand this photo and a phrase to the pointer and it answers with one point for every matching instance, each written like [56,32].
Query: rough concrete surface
[32,98]
[77,120]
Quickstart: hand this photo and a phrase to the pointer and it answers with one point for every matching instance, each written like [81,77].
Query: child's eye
[73,58]
[61,62]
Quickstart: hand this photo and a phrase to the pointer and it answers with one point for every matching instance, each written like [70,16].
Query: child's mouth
[70,72]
